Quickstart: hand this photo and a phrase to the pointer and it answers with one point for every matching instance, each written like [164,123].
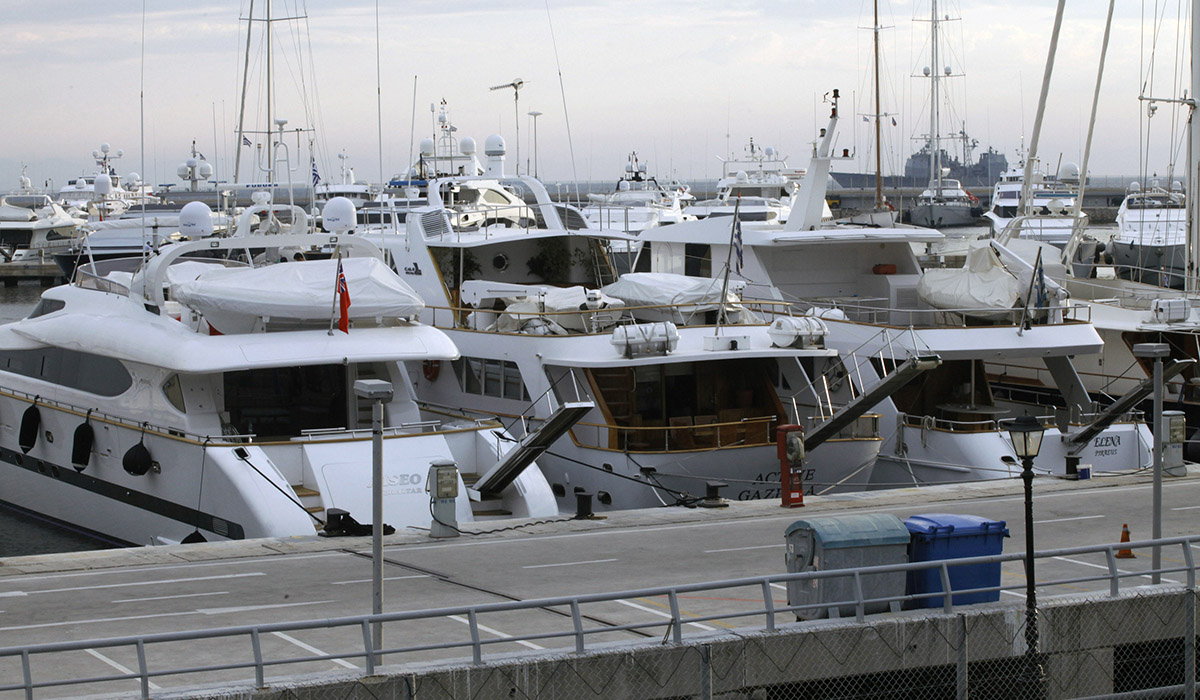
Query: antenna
[516,86]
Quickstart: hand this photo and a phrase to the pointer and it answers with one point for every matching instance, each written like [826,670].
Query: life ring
[431,369]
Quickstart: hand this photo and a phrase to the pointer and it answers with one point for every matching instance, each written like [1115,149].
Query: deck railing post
[860,606]
[947,599]
[27,674]
[676,622]
[476,647]
[142,670]
[256,646]
[368,647]
[1114,584]
[577,621]
[769,605]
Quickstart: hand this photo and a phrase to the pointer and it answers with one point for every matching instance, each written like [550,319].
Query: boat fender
[31,423]
[81,446]
[137,460]
[431,369]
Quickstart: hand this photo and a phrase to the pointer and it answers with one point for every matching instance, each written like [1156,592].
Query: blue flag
[316,175]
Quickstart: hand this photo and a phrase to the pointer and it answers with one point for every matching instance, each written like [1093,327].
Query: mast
[270,96]
[237,160]
[878,116]
[935,140]
[1193,176]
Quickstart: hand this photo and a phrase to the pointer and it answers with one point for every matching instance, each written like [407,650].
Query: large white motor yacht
[209,399]
[1150,244]
[1051,210]
[637,202]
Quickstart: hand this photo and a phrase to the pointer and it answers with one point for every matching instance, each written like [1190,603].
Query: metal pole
[1032,670]
[1156,577]
[377,524]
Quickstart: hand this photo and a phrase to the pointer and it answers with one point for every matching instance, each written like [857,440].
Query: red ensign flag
[343,301]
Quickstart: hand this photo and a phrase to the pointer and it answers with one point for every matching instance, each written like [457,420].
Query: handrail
[575,631]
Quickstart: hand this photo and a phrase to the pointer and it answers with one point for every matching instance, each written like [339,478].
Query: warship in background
[981,173]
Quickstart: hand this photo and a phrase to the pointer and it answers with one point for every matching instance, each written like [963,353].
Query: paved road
[118,593]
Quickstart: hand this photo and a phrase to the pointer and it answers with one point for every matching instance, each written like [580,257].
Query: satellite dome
[195,220]
[742,176]
[339,215]
[103,184]
[1176,186]
[134,179]
[191,162]
[494,145]
[427,146]
[629,167]
[104,148]
[206,170]
[1135,187]
[80,184]
[770,151]
[947,70]
[467,146]
[926,71]
[641,167]
[260,197]
[623,186]
[1068,171]
[182,171]
[26,183]
[120,152]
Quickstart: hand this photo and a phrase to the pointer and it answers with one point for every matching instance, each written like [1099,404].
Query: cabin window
[282,402]
[494,197]
[47,306]
[498,378]
[174,392]
[697,260]
[94,374]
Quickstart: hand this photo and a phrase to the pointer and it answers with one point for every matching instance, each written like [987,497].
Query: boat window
[494,197]
[174,392]
[94,374]
[697,260]
[47,306]
[499,378]
[281,402]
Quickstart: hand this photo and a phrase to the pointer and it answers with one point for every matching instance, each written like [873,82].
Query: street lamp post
[1156,352]
[378,392]
[1026,434]
[535,114]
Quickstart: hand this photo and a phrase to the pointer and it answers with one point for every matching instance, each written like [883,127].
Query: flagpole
[336,283]
[728,257]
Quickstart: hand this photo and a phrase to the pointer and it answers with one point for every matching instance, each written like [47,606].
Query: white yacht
[1150,244]
[674,398]
[637,202]
[867,285]
[35,222]
[359,192]
[1051,210]
[760,179]
[191,400]
[104,194]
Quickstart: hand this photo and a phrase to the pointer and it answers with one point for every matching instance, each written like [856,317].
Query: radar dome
[182,171]
[26,183]
[1135,187]
[494,145]
[80,184]
[206,170]
[947,70]
[623,186]
[195,220]
[103,184]
[120,152]
[104,148]
[467,146]
[1068,171]
[339,215]
[191,162]
[926,71]
[1176,186]
[742,176]
[770,151]
[427,146]
[133,179]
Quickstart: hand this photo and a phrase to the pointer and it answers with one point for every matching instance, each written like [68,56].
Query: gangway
[904,373]
[1080,439]
[531,447]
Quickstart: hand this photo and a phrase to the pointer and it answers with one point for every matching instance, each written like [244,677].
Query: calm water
[22,533]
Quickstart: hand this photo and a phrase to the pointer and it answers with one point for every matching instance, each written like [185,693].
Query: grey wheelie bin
[845,542]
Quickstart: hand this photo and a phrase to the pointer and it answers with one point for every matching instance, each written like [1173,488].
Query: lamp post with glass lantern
[1026,434]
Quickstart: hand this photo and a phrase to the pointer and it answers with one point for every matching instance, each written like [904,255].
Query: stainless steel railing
[578,635]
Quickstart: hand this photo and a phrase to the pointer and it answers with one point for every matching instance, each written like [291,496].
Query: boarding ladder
[530,447]
[1080,439]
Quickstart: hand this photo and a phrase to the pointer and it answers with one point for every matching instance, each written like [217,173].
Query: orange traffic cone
[1125,553]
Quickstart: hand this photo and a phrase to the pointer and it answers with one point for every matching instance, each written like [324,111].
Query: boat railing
[728,428]
[878,311]
[601,321]
[115,275]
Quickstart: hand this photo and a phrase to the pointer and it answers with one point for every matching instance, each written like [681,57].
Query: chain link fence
[1142,644]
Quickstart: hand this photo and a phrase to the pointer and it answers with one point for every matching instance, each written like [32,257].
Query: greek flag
[737,244]
[246,141]
[316,175]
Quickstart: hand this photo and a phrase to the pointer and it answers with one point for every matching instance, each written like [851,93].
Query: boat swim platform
[140,591]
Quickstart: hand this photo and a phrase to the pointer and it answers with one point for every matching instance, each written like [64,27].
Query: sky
[681,83]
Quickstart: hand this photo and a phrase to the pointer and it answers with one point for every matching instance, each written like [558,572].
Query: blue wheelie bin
[938,536]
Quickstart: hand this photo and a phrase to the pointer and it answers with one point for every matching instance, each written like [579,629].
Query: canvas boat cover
[982,288]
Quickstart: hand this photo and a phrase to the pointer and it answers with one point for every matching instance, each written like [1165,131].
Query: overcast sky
[680,82]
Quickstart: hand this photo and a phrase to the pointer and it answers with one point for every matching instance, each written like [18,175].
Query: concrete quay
[140,591]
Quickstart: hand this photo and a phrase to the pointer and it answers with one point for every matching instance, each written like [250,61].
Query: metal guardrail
[577,633]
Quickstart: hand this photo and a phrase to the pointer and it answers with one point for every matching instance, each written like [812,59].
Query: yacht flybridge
[638,201]
[205,398]
[677,384]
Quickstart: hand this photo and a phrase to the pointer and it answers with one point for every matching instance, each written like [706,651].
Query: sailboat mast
[241,133]
[1193,176]
[878,116]
[270,101]
[935,141]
